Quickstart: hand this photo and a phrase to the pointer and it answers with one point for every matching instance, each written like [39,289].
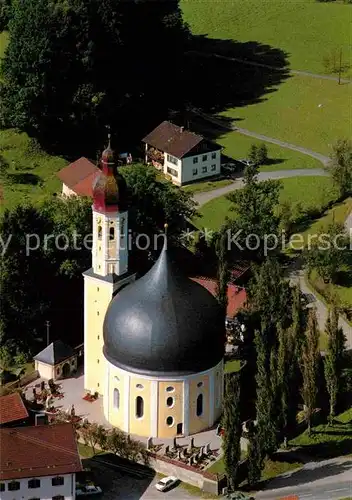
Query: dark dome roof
[164,323]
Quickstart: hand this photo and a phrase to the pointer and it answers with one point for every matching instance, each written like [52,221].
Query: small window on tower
[112,233]
[100,232]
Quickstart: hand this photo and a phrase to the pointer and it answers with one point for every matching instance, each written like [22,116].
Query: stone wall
[206,481]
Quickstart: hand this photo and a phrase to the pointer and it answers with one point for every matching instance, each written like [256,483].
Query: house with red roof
[78,178]
[39,462]
[236,296]
[12,411]
[181,154]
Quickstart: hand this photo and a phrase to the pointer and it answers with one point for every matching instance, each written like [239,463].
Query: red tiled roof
[79,176]
[43,450]
[12,409]
[172,139]
[236,296]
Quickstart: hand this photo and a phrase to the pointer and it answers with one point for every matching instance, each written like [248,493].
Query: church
[153,347]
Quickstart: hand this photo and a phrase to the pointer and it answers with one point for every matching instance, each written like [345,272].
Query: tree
[340,166]
[6,361]
[255,461]
[90,435]
[231,422]
[258,154]
[256,217]
[223,269]
[82,41]
[310,364]
[269,295]
[266,423]
[333,359]
[5,11]
[329,252]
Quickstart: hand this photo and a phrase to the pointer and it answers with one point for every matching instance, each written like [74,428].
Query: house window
[205,157]
[213,156]
[195,159]
[172,172]
[58,497]
[172,159]
[13,486]
[139,407]
[199,405]
[57,481]
[111,233]
[116,399]
[34,483]
[2,486]
[170,402]
[195,171]
[213,167]
[34,498]
[204,170]
[100,232]
[169,421]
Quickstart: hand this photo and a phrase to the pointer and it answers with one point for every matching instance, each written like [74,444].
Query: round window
[170,389]
[139,386]
[170,401]
[200,384]
[169,421]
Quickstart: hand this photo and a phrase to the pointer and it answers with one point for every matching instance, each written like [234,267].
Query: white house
[38,462]
[181,154]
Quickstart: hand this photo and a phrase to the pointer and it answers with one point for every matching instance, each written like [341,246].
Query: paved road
[220,123]
[325,480]
[202,198]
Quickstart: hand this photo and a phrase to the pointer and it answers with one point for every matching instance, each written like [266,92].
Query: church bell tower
[109,270]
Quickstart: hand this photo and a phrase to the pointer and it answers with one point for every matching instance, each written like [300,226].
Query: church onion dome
[164,323]
[109,187]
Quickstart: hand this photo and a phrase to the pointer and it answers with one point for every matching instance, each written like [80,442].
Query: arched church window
[112,233]
[116,399]
[100,232]
[139,407]
[199,405]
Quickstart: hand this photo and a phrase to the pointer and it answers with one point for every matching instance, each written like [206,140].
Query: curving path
[202,198]
[293,71]
[220,123]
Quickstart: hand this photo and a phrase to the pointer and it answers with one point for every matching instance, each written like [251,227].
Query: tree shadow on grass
[25,178]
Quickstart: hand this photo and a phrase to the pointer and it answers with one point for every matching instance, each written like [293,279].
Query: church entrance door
[66,370]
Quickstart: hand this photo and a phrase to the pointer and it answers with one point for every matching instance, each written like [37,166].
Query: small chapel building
[154,346]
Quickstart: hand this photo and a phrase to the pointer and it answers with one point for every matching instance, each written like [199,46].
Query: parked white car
[248,163]
[84,491]
[166,483]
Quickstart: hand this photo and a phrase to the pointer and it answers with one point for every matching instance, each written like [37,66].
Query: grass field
[292,113]
[328,441]
[306,30]
[271,469]
[311,192]
[31,174]
[201,187]
[237,146]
